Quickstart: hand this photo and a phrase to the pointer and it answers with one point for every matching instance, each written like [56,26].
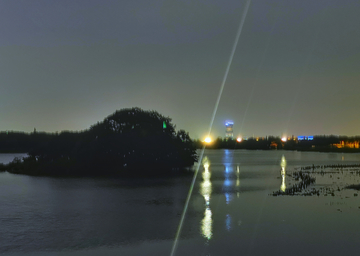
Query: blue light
[305,137]
[227,183]
[228,197]
[228,221]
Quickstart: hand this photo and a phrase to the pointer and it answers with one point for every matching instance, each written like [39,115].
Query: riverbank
[324,180]
[32,167]
[330,150]
[322,150]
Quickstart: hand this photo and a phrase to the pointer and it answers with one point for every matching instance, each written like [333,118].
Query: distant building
[348,144]
[273,145]
[305,137]
[229,133]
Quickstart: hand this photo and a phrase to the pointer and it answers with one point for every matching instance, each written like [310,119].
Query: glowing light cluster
[208,140]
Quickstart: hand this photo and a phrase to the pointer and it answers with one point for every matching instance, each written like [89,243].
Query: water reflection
[205,191]
[283,161]
[206,224]
[228,156]
[227,183]
[283,173]
[238,176]
[228,222]
[228,187]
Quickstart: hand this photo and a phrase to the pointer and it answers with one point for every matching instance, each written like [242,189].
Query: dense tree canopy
[130,141]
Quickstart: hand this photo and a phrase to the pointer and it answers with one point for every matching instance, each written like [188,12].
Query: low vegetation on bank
[303,180]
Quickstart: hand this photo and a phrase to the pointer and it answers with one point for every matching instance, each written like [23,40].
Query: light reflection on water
[283,173]
[228,183]
[205,191]
[251,183]
[232,202]
[238,176]
[283,182]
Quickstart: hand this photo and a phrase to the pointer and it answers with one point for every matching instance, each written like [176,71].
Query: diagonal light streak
[210,127]
[229,63]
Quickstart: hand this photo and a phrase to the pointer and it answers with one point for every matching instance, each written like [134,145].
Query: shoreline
[332,150]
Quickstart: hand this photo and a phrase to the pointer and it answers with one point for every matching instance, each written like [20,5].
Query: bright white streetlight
[208,140]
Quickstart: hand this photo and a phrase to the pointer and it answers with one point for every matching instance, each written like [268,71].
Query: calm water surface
[230,212]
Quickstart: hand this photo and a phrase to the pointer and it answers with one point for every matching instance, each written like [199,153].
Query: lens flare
[208,140]
[173,249]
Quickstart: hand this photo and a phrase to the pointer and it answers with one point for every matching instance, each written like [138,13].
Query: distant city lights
[305,137]
[240,138]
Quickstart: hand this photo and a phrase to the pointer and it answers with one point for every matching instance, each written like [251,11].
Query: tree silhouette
[128,142]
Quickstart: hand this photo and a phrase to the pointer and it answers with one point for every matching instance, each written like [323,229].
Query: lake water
[231,211]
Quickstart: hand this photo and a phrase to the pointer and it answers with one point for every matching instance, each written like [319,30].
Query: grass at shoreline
[355,187]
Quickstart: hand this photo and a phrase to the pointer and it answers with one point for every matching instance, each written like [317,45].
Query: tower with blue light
[229,133]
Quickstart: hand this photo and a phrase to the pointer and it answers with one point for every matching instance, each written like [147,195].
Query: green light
[164,125]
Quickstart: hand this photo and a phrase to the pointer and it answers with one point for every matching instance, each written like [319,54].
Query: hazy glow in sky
[64,65]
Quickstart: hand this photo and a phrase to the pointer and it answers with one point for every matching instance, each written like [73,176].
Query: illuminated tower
[229,134]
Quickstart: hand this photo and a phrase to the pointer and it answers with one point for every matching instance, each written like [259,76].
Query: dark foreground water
[230,212]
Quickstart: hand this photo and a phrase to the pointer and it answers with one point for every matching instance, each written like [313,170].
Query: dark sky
[64,65]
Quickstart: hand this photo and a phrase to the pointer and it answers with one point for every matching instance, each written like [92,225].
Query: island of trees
[130,142]
[136,142]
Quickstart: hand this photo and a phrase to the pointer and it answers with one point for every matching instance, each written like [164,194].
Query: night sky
[64,65]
